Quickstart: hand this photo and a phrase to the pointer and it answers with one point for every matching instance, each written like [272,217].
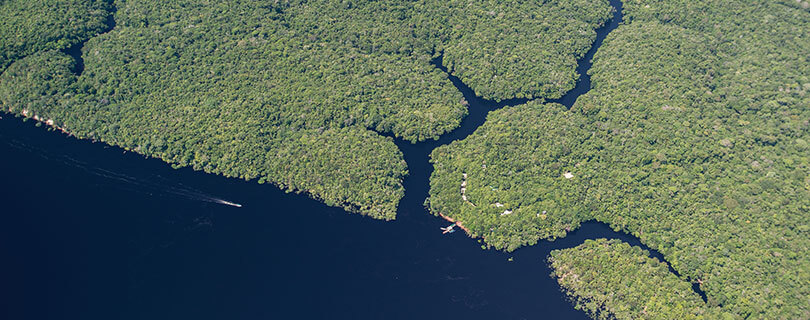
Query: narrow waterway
[75,50]
[418,155]
[92,232]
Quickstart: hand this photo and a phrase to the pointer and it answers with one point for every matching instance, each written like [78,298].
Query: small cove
[75,51]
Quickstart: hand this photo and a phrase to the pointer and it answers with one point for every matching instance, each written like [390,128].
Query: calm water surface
[91,232]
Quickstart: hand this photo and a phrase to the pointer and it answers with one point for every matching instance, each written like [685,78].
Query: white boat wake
[147,186]
[220,201]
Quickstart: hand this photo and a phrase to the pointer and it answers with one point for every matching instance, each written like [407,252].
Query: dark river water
[91,232]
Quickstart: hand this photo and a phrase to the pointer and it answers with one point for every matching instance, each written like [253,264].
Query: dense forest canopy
[29,26]
[514,162]
[609,279]
[296,93]
[694,138]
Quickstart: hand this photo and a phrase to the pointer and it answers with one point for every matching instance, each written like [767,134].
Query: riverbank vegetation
[524,178]
[609,279]
[520,49]
[296,93]
[694,138]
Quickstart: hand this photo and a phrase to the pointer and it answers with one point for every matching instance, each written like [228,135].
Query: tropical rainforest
[610,279]
[693,138]
[302,94]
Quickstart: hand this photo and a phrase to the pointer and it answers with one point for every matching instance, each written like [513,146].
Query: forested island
[693,137]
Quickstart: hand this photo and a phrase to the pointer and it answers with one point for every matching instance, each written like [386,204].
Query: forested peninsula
[594,275]
[693,138]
